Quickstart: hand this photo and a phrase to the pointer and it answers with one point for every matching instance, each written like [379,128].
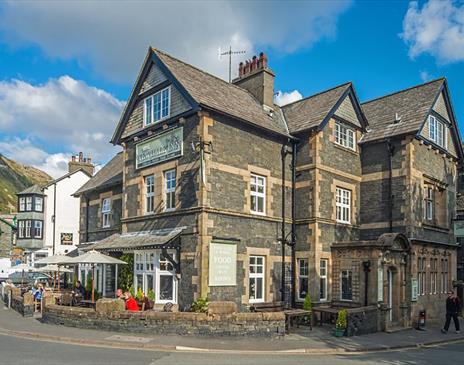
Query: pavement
[300,341]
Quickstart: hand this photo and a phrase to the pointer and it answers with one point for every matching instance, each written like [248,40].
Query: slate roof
[136,240]
[34,189]
[412,105]
[215,93]
[310,112]
[109,175]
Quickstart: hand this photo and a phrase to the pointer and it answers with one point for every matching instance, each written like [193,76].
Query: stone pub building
[220,193]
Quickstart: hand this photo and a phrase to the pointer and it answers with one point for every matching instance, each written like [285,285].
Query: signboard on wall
[222,264]
[66,238]
[459,228]
[414,289]
[158,149]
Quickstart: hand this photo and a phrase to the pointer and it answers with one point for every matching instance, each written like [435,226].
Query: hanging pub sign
[222,264]
[158,149]
[66,238]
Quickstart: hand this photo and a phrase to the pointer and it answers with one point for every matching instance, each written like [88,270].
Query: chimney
[80,162]
[255,76]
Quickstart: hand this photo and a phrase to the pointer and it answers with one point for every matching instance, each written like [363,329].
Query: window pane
[148,110]
[166,287]
[139,281]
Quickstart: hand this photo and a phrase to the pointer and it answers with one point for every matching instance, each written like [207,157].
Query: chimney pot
[73,158]
[81,156]
[240,69]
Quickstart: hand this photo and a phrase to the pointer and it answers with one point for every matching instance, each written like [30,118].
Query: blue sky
[68,67]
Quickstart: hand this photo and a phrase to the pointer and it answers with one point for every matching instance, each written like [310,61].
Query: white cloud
[64,115]
[112,37]
[437,29]
[284,98]
[425,76]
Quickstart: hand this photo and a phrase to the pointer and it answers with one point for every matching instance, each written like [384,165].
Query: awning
[142,240]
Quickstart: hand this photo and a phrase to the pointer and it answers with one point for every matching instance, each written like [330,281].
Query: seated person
[79,290]
[146,304]
[38,293]
[131,304]
[120,294]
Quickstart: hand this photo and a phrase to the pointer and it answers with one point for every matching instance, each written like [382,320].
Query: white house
[51,226]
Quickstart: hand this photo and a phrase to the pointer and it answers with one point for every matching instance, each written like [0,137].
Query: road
[19,351]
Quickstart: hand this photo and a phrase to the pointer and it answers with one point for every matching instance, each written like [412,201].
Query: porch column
[116,280]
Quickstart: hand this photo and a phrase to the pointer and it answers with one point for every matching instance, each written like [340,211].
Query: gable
[450,140]
[154,80]
[440,107]
[347,112]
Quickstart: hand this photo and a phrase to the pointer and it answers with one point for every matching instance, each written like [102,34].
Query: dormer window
[345,136]
[156,106]
[437,131]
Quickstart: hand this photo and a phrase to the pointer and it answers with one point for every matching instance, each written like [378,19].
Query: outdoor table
[326,311]
[296,314]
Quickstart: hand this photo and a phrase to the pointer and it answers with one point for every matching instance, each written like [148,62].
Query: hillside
[15,177]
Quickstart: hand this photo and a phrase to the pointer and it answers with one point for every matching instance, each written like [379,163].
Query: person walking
[453,306]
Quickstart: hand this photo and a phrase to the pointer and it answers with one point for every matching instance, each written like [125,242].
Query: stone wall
[362,321]
[164,323]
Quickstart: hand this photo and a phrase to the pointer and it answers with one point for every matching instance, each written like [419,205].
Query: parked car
[29,278]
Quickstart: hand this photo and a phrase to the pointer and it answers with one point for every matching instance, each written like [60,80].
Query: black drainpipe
[367,269]
[86,218]
[282,234]
[391,150]
[293,243]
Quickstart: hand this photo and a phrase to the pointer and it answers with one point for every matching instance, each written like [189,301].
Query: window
[347,285]
[150,194]
[21,229]
[22,204]
[433,275]
[258,194]
[428,203]
[345,137]
[156,106]
[38,204]
[165,279]
[303,278]
[106,212]
[421,275]
[343,205]
[323,280]
[437,131]
[38,229]
[29,203]
[444,275]
[170,188]
[256,284]
[28,229]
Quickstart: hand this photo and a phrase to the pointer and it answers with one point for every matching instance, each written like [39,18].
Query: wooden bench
[292,316]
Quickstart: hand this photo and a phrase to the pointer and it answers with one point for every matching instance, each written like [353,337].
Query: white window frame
[344,136]
[165,272]
[150,116]
[38,226]
[170,184]
[106,212]
[429,202]
[433,275]
[21,229]
[149,194]
[255,276]
[28,203]
[303,273]
[256,182]
[343,205]
[437,131]
[22,204]
[36,205]
[28,229]
[323,268]
[346,274]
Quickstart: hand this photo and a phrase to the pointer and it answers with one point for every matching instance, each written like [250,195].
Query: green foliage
[151,294]
[342,320]
[307,304]
[132,290]
[139,295]
[126,273]
[88,284]
[199,306]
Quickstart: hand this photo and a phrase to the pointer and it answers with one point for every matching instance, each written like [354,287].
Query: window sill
[346,149]
[258,213]
[434,227]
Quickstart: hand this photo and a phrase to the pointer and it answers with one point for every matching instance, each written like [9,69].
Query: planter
[339,332]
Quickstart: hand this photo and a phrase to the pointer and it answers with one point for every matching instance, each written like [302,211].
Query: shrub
[342,319]
[200,305]
[307,304]
[126,272]
[151,294]
[139,295]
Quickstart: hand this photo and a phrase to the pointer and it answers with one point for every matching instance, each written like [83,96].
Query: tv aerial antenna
[229,53]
